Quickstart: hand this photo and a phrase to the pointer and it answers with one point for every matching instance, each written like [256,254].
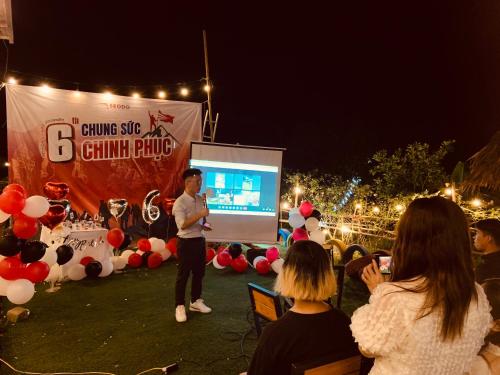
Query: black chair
[266,305]
[339,269]
[334,364]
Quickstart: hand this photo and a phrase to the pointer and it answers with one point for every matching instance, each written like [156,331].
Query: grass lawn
[125,324]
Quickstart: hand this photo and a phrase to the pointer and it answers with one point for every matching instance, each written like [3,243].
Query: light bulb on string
[162,94]
[45,87]
[12,81]
[184,91]
[206,88]
[476,202]
[108,95]
[136,95]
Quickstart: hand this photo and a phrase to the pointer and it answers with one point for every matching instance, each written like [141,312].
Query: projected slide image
[235,188]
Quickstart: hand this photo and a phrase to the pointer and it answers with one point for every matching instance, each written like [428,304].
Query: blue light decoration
[348,194]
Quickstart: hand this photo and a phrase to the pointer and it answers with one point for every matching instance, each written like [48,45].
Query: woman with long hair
[431,318]
[311,328]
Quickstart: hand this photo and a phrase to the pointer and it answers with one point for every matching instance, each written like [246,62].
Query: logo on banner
[110,140]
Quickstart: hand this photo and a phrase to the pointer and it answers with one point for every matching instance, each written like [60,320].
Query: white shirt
[186,206]
[403,345]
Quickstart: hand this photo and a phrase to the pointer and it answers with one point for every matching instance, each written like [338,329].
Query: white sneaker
[180,314]
[199,306]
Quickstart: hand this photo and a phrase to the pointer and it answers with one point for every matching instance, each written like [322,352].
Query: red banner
[102,146]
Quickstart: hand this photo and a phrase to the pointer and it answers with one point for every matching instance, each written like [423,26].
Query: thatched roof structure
[485,168]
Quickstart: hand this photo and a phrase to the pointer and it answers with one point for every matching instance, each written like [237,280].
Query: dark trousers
[191,253]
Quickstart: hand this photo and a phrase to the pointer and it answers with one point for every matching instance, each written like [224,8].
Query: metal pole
[209,95]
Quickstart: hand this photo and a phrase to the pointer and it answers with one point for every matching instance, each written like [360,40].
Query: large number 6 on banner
[60,142]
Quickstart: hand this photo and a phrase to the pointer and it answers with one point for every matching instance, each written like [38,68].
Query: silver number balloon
[150,212]
[117,207]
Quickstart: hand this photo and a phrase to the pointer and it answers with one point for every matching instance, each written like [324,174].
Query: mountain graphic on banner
[160,132]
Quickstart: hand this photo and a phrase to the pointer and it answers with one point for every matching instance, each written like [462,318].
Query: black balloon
[235,250]
[10,245]
[93,269]
[316,214]
[33,251]
[127,241]
[64,254]
[145,257]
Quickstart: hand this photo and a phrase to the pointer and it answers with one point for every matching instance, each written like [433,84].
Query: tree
[414,170]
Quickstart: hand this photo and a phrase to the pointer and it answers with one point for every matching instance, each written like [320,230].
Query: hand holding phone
[384,263]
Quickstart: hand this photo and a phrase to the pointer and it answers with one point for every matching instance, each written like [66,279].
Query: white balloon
[4,284]
[312,224]
[294,211]
[126,254]
[3,216]
[20,291]
[36,206]
[50,256]
[151,240]
[140,252]
[165,254]
[277,265]
[55,273]
[107,268]
[296,220]
[318,236]
[157,245]
[76,272]
[217,265]
[257,259]
[119,263]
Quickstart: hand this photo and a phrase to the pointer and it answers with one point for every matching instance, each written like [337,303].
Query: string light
[45,87]
[7,164]
[77,93]
[285,205]
[184,91]
[136,95]
[206,88]
[399,207]
[12,81]
[345,229]
[448,191]
[297,190]
[376,210]
[358,206]
[476,202]
[107,94]
[162,94]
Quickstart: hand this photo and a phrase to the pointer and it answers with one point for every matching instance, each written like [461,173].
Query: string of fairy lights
[179,91]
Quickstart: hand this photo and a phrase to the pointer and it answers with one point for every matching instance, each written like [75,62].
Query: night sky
[331,84]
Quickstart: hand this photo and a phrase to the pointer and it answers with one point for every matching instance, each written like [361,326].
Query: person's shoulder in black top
[489,268]
[296,338]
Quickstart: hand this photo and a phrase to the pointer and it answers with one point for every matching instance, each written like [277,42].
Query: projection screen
[242,184]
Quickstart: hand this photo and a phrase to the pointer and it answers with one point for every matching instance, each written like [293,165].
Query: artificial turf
[125,324]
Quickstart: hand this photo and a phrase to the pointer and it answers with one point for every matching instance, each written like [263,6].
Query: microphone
[204,196]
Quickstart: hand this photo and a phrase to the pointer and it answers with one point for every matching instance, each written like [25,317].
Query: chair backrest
[265,303]
[335,364]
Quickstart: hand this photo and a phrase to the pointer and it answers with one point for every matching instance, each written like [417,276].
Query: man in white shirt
[190,211]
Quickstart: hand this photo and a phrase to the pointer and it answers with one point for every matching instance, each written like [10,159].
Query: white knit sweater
[403,345]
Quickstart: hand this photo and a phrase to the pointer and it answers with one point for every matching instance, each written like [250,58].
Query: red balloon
[86,260]
[24,227]
[144,245]
[11,268]
[224,258]
[239,264]
[56,190]
[220,249]
[134,260]
[306,208]
[12,202]
[299,234]
[155,260]
[263,267]
[54,216]
[16,187]
[172,245]
[36,272]
[115,237]
[210,255]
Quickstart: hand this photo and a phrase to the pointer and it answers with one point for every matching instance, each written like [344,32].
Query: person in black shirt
[487,241]
[312,328]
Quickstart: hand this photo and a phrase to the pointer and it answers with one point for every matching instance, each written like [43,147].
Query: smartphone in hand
[384,263]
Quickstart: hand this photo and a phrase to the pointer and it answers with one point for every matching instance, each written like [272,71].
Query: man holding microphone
[190,211]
